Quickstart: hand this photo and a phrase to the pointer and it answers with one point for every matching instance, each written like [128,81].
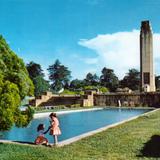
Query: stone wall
[92,99]
[40,99]
[62,100]
[49,99]
[143,99]
[150,99]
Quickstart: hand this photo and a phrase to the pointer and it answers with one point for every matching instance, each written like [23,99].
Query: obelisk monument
[146,58]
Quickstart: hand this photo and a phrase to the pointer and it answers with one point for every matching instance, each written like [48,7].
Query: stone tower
[146,58]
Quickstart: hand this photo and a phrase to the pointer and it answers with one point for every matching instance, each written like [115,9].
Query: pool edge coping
[43,114]
[82,136]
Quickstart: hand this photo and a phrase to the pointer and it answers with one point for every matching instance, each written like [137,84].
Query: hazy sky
[85,35]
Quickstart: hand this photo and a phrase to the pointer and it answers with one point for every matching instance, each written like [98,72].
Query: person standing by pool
[54,128]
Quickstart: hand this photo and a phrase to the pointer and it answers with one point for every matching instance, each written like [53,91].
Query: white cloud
[119,51]
[91,60]
[84,59]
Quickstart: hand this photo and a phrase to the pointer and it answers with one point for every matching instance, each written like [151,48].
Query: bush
[103,89]
[89,87]
[68,92]
[14,86]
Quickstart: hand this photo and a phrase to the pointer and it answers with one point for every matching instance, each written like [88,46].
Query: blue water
[73,124]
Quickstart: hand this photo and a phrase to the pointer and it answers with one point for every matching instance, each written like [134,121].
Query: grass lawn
[138,139]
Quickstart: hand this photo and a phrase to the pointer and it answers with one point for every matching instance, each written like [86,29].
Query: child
[41,139]
[54,128]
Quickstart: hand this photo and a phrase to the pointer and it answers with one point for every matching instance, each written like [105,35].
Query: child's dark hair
[40,127]
[53,115]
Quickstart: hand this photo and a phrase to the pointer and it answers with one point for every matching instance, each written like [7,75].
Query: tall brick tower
[146,58]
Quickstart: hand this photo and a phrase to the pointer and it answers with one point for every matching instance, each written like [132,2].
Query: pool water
[72,124]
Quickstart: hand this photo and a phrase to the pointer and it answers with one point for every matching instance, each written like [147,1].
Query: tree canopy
[59,75]
[77,84]
[15,84]
[37,76]
[108,79]
[34,70]
[131,80]
[91,79]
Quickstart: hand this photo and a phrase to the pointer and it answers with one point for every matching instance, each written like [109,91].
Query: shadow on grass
[151,148]
[23,142]
[20,142]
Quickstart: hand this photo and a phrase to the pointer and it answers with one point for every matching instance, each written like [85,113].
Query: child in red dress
[54,128]
[40,138]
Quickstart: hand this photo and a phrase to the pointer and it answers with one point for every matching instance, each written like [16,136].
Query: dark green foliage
[91,80]
[15,84]
[37,76]
[41,85]
[108,79]
[77,84]
[131,80]
[59,75]
[66,85]
[34,70]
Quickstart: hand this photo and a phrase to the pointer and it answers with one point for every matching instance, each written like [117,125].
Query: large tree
[15,84]
[131,80]
[91,80]
[34,70]
[37,76]
[59,75]
[108,79]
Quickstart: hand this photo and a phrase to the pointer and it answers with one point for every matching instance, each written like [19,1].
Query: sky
[85,35]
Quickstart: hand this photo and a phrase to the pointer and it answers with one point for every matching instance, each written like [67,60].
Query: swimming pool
[73,124]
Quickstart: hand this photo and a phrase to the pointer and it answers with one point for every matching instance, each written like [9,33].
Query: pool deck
[39,115]
[77,138]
